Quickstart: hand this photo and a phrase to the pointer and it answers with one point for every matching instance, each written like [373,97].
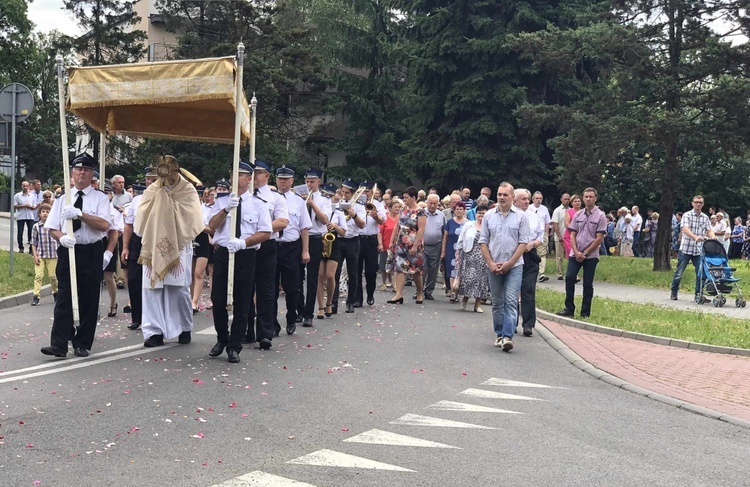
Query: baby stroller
[715,276]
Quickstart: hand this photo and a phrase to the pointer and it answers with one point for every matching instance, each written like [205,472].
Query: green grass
[639,272]
[714,329]
[23,274]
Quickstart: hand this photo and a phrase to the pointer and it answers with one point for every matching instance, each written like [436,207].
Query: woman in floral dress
[407,246]
[471,268]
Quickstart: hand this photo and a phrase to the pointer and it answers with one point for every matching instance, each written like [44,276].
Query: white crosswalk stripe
[380,437]
[330,458]
[496,395]
[261,479]
[514,383]
[469,408]
[419,420]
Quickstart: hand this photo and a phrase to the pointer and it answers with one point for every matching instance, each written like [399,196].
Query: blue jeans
[682,262]
[636,239]
[505,289]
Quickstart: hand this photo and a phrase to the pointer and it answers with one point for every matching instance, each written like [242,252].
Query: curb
[670,342]
[610,379]
[23,298]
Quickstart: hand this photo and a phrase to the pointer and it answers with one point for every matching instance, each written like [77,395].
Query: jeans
[636,239]
[682,262]
[19,234]
[589,268]
[504,289]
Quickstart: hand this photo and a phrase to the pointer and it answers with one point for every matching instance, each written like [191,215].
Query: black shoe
[560,278]
[248,339]
[527,332]
[234,356]
[335,309]
[35,301]
[276,329]
[134,326]
[184,338]
[298,319]
[54,297]
[127,309]
[429,297]
[154,341]
[565,312]
[349,308]
[543,278]
[113,311]
[195,311]
[265,343]
[307,323]
[673,297]
[80,352]
[328,313]
[120,285]
[396,301]
[370,301]
[56,351]
[419,301]
[357,305]
[291,328]
[217,350]
[407,283]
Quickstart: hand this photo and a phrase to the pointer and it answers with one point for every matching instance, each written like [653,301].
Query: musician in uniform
[331,257]
[265,267]
[319,209]
[369,247]
[354,213]
[90,212]
[241,237]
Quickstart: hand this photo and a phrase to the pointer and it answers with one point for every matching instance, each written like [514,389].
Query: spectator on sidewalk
[738,234]
[558,228]
[746,241]
[637,223]
[44,250]
[575,206]
[36,190]
[626,242]
[24,203]
[543,214]
[649,234]
[721,230]
[694,225]
[587,231]
[676,231]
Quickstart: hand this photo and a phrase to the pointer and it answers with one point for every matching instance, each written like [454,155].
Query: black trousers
[528,290]
[244,276]
[350,255]
[288,257]
[19,234]
[265,295]
[135,279]
[89,273]
[313,268]
[589,268]
[368,261]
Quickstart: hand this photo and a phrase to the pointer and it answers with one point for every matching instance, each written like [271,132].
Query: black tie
[78,204]
[238,224]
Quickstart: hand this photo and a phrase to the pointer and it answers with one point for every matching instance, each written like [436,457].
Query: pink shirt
[587,226]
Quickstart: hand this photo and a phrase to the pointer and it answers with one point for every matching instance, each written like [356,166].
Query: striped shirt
[46,246]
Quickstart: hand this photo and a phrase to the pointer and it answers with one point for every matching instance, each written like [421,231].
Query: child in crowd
[627,238]
[44,250]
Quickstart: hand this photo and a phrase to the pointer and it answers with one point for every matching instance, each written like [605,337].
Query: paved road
[361,400]
[5,233]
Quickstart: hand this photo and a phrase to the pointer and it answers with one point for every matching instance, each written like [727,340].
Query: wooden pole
[238,116]
[102,158]
[66,179]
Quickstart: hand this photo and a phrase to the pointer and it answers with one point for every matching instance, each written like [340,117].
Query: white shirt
[352,230]
[542,212]
[299,217]
[24,199]
[324,204]
[637,222]
[558,216]
[338,218]
[206,213]
[276,204]
[536,224]
[129,216]
[371,226]
[720,227]
[255,218]
[95,203]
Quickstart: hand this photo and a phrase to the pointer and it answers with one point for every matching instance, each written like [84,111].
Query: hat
[284,172]
[223,183]
[96,175]
[245,167]
[150,172]
[313,173]
[328,188]
[349,183]
[108,188]
[263,165]
[84,160]
[367,184]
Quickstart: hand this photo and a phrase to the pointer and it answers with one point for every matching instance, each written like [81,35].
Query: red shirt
[386,230]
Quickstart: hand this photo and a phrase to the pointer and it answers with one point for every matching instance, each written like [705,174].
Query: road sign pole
[13,177]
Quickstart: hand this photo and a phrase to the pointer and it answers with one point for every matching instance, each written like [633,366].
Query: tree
[15,47]
[655,75]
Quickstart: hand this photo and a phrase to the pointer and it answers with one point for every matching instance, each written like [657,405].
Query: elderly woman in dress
[407,246]
[451,231]
[471,269]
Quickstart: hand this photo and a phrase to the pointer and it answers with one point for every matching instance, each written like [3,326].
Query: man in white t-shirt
[542,213]
[24,203]
[637,223]
[558,227]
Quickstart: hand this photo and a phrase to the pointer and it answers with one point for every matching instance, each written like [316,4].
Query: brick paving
[716,381]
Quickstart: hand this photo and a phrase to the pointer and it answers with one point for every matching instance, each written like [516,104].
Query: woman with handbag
[471,270]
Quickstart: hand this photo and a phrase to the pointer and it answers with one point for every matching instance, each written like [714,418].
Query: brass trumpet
[345,206]
[369,206]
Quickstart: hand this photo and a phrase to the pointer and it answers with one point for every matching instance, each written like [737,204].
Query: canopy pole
[67,187]
[102,157]
[238,115]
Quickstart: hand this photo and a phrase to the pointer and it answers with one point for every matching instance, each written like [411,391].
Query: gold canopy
[183,100]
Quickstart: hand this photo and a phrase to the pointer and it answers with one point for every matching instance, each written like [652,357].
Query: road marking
[496,395]
[380,437]
[330,458]
[469,408]
[418,420]
[87,363]
[261,479]
[75,359]
[515,383]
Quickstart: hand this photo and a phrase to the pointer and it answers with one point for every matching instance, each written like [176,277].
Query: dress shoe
[429,297]
[358,305]
[350,308]
[80,352]
[234,356]
[134,326]
[154,341]
[335,309]
[291,328]
[370,301]
[265,343]
[396,301]
[195,311]
[329,311]
[217,350]
[184,338]
[113,311]
[55,351]
[527,331]
[565,312]
[307,322]
[298,319]
[276,329]
[127,309]
[420,301]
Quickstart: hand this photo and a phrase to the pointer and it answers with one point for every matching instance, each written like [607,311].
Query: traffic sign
[24,102]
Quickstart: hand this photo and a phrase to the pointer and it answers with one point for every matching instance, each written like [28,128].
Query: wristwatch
[584,254]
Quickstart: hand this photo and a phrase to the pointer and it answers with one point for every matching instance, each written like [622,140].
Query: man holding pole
[91,220]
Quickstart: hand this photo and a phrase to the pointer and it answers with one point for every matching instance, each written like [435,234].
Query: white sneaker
[507,344]
[499,342]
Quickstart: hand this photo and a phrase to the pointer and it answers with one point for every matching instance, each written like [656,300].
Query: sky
[50,15]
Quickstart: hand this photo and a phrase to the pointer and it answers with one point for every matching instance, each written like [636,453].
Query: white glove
[68,241]
[107,258]
[234,201]
[71,213]
[236,244]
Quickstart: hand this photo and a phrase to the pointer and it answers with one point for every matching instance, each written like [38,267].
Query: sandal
[463,303]
[329,310]
[113,311]
[320,313]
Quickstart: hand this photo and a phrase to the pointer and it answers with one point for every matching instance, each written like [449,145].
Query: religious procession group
[279,236]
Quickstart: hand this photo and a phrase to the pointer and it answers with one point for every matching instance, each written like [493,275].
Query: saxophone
[328,239]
